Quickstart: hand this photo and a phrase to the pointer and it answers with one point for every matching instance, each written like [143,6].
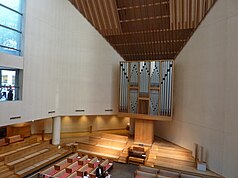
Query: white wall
[206,82]
[67,65]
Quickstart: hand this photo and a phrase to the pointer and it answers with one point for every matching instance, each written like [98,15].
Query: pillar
[56,130]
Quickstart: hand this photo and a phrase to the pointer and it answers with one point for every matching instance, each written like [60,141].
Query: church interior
[90,83]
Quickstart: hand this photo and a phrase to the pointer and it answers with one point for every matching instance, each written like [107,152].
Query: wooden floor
[162,154]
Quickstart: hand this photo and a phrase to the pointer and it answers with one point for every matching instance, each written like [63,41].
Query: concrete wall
[67,65]
[206,82]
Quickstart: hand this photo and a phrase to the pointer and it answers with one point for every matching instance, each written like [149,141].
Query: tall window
[10,26]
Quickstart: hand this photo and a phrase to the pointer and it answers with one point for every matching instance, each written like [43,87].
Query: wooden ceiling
[145,29]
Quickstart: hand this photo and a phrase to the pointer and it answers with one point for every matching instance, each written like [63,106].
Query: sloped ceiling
[145,29]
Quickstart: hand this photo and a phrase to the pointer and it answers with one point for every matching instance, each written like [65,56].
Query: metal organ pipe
[145,74]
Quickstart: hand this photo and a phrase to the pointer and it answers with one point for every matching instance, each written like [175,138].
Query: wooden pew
[73,158]
[48,172]
[106,164]
[77,165]
[61,165]
[88,167]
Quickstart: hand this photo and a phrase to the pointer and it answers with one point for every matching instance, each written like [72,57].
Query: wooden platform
[162,154]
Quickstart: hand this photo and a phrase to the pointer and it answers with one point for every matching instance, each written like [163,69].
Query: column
[56,130]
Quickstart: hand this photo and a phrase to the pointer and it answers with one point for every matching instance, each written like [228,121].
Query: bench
[73,158]
[77,165]
[106,164]
[49,172]
[82,170]
[13,139]
[61,174]
[74,175]
[88,167]
[61,165]
[84,160]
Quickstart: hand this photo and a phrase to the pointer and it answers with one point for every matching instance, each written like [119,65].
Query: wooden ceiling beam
[149,43]
[144,19]
[128,4]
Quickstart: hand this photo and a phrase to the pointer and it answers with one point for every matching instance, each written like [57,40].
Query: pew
[73,158]
[77,165]
[61,165]
[88,167]
[106,164]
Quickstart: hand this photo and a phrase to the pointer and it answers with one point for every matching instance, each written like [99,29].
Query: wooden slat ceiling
[145,29]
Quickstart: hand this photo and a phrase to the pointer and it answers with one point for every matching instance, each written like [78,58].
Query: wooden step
[161,160]
[12,176]
[6,174]
[169,151]
[1,163]
[3,169]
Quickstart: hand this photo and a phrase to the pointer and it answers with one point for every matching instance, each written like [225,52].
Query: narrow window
[11,26]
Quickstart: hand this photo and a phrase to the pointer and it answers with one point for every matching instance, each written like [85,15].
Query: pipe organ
[146,88]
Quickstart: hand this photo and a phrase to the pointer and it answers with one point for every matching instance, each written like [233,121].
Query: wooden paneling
[144,131]
[188,13]
[101,13]
[145,30]
[19,129]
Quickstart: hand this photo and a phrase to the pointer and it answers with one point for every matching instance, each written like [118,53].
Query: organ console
[136,155]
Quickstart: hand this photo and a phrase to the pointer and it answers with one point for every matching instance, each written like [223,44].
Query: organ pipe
[149,83]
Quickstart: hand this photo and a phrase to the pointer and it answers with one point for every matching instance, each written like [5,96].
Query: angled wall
[67,66]
[206,100]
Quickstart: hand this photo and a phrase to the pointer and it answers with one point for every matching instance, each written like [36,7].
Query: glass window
[10,26]
[9,84]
